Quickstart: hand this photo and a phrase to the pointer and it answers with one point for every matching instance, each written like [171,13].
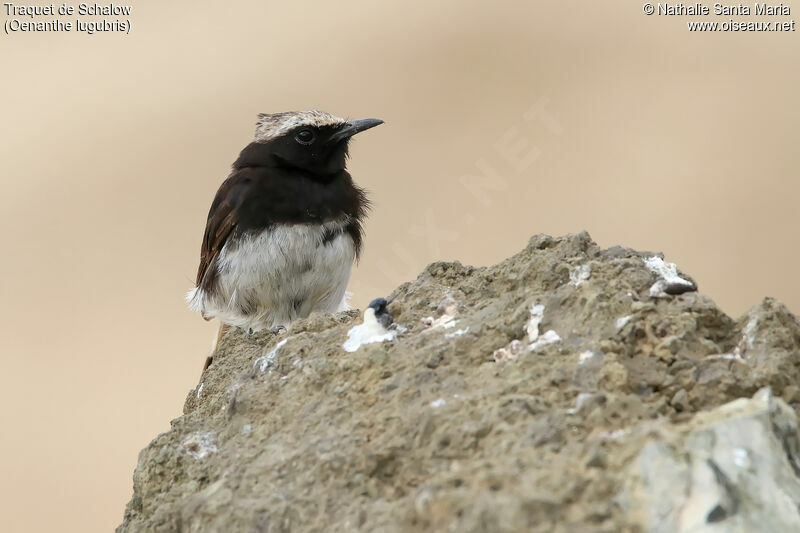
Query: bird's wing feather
[221,224]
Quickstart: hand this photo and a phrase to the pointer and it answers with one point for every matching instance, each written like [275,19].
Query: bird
[284,228]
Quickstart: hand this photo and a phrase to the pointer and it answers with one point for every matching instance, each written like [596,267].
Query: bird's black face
[320,150]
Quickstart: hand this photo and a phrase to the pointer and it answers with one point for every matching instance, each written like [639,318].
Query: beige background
[112,147]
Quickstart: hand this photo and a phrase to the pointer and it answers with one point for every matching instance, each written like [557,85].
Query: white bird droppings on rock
[439,402]
[456,333]
[532,327]
[535,341]
[200,389]
[733,356]
[584,400]
[579,274]
[613,435]
[549,337]
[367,332]
[670,283]
[584,357]
[199,444]
[622,321]
[263,363]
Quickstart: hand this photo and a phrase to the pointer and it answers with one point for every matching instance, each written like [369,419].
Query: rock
[471,416]
[737,465]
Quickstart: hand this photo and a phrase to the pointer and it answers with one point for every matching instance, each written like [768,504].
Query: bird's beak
[352,127]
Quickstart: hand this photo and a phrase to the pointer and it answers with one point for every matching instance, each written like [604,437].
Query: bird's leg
[223,328]
[207,364]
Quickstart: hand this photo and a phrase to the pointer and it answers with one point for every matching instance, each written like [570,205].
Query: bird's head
[313,141]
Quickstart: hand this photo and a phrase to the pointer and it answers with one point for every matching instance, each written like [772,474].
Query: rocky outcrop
[568,388]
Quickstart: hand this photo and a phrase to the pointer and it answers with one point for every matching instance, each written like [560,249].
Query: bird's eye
[304,136]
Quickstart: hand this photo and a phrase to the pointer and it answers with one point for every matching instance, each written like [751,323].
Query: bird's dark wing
[223,218]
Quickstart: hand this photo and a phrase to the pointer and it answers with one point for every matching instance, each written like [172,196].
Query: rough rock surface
[551,392]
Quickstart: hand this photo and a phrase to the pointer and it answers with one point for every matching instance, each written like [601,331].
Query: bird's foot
[277,330]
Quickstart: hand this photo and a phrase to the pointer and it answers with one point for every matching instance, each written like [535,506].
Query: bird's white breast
[280,274]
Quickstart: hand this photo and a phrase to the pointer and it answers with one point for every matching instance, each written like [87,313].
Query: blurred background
[503,119]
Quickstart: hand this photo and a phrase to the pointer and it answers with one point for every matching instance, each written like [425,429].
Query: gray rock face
[568,388]
[731,469]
